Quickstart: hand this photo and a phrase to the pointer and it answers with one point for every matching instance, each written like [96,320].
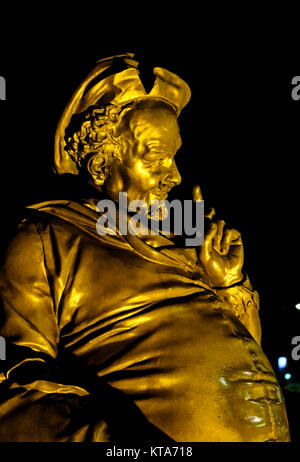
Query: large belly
[194,371]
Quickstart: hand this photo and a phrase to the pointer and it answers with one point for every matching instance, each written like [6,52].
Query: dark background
[240,131]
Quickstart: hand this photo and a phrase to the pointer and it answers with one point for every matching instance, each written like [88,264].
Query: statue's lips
[160,196]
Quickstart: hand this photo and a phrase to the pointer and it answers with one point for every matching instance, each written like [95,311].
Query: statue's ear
[98,167]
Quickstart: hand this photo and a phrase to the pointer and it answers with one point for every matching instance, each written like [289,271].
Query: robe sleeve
[46,394]
[32,406]
[245,303]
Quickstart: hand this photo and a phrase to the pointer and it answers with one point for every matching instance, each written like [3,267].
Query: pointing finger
[197,195]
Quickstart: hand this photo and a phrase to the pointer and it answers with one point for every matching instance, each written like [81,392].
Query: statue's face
[147,170]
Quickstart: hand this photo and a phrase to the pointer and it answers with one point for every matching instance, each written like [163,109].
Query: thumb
[197,195]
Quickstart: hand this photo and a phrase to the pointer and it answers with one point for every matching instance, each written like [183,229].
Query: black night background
[240,135]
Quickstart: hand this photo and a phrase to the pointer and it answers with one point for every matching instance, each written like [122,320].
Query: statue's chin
[158,212]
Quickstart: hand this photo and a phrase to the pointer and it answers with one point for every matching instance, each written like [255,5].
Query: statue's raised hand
[221,253]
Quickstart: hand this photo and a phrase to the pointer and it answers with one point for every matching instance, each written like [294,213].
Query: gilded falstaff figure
[128,336]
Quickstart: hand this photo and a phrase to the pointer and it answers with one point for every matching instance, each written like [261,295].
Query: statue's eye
[155,156]
[155,162]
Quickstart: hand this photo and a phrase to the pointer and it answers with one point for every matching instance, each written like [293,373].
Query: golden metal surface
[97,322]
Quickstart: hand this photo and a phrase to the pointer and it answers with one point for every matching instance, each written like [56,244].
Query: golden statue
[118,336]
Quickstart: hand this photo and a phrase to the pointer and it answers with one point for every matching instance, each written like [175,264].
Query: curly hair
[93,132]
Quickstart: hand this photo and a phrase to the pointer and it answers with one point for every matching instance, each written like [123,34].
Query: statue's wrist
[238,281]
[240,295]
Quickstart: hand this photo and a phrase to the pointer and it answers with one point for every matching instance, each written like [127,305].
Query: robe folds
[112,337]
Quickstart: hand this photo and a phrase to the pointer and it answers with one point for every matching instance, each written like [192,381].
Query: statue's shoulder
[42,213]
[32,219]
[61,213]
[65,210]
[53,206]
[37,221]
[44,222]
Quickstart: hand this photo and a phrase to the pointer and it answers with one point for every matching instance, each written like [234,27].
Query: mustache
[165,186]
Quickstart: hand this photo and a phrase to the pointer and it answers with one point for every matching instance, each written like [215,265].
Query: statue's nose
[173,175]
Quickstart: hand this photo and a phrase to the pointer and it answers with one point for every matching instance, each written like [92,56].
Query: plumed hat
[117,88]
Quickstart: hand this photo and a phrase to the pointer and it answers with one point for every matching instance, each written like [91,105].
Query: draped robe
[108,334]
